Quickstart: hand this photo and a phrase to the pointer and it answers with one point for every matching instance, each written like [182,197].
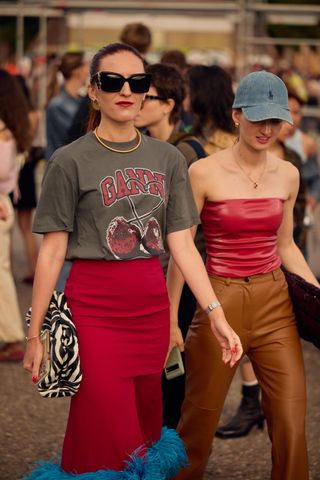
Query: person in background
[246,196]
[108,202]
[176,58]
[161,112]
[210,103]
[15,139]
[161,117]
[139,36]
[27,200]
[63,106]
[179,60]
[305,146]
[280,149]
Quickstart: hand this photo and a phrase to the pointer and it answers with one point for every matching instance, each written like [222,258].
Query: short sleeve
[58,200]
[181,208]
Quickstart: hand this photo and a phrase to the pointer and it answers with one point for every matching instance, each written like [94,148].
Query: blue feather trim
[161,461]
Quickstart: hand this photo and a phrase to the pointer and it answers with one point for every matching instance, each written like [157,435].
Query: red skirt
[121,313]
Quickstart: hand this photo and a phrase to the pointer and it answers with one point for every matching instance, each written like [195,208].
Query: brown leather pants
[259,309]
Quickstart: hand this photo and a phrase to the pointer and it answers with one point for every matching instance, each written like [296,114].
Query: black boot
[248,415]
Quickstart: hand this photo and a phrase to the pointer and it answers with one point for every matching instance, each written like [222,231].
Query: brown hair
[169,83]
[14,110]
[211,98]
[175,57]
[111,49]
[69,62]
[137,35]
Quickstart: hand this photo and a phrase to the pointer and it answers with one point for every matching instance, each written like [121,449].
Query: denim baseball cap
[262,96]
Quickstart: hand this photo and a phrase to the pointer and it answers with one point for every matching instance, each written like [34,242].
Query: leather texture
[241,236]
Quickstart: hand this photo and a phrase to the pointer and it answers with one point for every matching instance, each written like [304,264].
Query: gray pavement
[32,428]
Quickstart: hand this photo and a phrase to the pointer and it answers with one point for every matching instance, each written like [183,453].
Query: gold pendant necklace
[132,149]
[254,182]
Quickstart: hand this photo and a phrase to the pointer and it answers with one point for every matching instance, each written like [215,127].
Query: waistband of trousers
[261,277]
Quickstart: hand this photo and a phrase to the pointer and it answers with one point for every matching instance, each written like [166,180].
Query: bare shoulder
[283,167]
[289,168]
[290,176]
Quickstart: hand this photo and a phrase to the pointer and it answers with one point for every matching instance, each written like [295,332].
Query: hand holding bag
[62,375]
[305,298]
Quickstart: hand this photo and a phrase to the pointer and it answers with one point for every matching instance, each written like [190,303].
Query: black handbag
[305,299]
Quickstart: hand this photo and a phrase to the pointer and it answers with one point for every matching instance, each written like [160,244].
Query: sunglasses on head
[113,82]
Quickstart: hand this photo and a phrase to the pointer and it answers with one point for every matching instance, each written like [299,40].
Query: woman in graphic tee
[108,201]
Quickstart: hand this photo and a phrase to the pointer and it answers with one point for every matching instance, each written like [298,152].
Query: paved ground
[32,427]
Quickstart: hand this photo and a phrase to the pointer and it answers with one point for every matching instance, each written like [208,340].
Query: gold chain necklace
[254,182]
[132,149]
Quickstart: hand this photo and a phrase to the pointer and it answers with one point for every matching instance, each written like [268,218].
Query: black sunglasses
[113,82]
[155,97]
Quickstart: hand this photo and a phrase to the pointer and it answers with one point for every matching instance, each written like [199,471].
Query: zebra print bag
[63,374]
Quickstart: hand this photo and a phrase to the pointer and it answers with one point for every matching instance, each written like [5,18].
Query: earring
[95,104]
[236,124]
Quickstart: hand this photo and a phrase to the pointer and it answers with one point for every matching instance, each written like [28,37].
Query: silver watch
[211,307]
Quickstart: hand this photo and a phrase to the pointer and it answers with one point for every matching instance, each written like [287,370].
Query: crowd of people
[172,195]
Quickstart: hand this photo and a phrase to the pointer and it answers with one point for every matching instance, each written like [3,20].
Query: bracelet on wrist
[33,336]
[212,306]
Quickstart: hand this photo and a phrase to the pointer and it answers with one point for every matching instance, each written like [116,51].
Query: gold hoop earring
[236,124]
[95,104]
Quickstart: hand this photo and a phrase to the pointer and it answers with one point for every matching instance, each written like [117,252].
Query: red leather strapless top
[241,236]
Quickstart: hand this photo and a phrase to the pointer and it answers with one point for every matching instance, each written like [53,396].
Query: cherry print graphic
[138,236]
[123,238]
[151,239]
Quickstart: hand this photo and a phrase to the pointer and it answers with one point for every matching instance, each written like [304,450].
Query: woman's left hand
[228,339]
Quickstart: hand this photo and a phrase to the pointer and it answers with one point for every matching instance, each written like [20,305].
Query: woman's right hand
[50,260]
[33,357]
[176,339]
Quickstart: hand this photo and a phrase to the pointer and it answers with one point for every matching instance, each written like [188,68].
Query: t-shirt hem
[52,229]
[183,225]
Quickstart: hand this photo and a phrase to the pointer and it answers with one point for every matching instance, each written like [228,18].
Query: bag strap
[197,147]
[185,137]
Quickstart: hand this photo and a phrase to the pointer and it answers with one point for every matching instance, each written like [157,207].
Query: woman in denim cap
[245,196]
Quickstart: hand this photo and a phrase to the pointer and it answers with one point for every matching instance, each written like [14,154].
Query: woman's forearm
[293,260]
[190,263]
[50,260]
[175,282]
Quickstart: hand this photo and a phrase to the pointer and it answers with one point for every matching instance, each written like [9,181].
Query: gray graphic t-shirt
[115,206]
